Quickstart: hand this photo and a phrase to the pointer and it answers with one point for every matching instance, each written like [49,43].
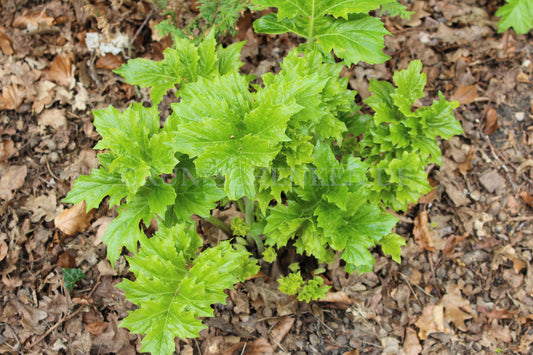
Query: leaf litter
[465,283]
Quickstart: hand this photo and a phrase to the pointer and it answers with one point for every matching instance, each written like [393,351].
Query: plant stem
[249,211]
[219,224]
[251,238]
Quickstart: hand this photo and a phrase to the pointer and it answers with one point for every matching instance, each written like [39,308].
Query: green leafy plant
[293,153]
[71,276]
[517,14]
[218,16]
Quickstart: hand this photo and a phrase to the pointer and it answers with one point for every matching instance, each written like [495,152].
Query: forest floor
[465,284]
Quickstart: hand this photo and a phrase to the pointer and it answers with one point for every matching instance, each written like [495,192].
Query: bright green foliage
[174,286]
[396,9]
[343,26]
[321,175]
[311,290]
[331,209]
[95,187]
[517,14]
[399,141]
[194,194]
[391,245]
[184,64]
[270,255]
[71,276]
[149,202]
[223,125]
[217,16]
[239,226]
[291,284]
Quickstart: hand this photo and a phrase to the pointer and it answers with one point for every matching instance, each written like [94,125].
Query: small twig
[417,286]
[140,28]
[50,171]
[65,318]
[244,348]
[19,343]
[499,158]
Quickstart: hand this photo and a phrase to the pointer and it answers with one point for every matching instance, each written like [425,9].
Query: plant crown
[292,153]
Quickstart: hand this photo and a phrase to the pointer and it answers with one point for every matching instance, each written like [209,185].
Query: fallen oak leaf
[431,321]
[452,241]
[492,314]
[6,43]
[3,250]
[422,232]
[465,94]
[74,220]
[12,180]
[281,329]
[411,344]
[33,20]
[337,297]
[11,98]
[109,61]
[491,121]
[456,308]
[527,198]
[61,70]
[259,347]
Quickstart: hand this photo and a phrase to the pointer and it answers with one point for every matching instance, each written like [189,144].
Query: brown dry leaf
[352,352]
[54,118]
[11,98]
[33,21]
[456,308]
[281,329]
[422,232]
[45,95]
[61,70]
[497,313]
[81,98]
[508,252]
[527,198]
[431,321]
[411,344]
[337,297]
[109,61]
[491,121]
[259,346]
[512,205]
[31,316]
[465,94]
[12,180]
[43,206]
[6,43]
[101,224]
[66,260]
[7,150]
[96,328]
[452,241]
[429,197]
[466,166]
[418,9]
[74,220]
[3,250]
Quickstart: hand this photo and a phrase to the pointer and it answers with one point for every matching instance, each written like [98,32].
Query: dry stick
[50,171]
[19,344]
[497,157]
[65,318]
[140,28]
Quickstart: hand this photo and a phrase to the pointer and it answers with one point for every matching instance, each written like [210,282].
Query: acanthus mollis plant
[293,153]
